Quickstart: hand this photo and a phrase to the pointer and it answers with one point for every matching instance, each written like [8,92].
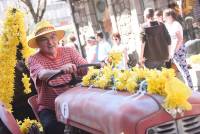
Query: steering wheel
[74,79]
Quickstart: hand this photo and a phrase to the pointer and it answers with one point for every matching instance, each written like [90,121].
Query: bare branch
[37,16]
[30,6]
[38,9]
[43,10]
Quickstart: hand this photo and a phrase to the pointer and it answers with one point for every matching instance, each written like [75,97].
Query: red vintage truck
[109,112]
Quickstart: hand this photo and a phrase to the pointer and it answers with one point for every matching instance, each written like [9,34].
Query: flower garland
[27,124]
[27,84]
[13,33]
[163,83]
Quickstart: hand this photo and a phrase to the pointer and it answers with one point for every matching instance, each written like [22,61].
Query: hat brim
[32,40]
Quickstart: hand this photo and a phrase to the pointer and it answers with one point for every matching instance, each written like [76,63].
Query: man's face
[48,43]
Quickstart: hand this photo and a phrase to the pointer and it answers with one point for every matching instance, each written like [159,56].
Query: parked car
[193,49]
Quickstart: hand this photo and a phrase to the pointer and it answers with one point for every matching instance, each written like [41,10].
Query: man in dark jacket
[155,42]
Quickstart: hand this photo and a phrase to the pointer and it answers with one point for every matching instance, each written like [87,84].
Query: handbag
[132,59]
[171,64]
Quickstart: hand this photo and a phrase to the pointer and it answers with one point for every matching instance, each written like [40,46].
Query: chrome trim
[187,125]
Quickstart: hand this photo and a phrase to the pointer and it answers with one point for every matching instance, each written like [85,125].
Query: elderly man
[49,60]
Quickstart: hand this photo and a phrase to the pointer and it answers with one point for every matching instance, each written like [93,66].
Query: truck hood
[107,111]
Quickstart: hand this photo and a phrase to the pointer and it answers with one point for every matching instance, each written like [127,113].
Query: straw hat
[42,28]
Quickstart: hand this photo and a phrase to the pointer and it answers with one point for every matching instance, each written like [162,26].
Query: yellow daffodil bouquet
[114,58]
[101,78]
[91,76]
[29,126]
[174,91]
[163,83]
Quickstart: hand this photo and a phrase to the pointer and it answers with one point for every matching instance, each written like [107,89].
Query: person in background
[72,42]
[155,42]
[119,47]
[189,28]
[178,50]
[103,47]
[158,15]
[49,60]
[91,50]
[177,10]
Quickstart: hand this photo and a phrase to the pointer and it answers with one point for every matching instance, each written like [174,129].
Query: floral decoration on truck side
[163,83]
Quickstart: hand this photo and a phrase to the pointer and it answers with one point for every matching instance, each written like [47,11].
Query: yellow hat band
[44,30]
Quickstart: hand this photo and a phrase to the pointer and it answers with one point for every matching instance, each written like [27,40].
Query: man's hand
[69,68]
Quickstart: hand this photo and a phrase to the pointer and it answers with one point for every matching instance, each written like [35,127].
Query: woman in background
[117,46]
[178,50]
[91,50]
[72,42]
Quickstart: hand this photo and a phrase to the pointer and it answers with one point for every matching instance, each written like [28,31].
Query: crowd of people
[168,42]
[162,44]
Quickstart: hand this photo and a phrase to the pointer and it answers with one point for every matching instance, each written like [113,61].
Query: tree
[40,10]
